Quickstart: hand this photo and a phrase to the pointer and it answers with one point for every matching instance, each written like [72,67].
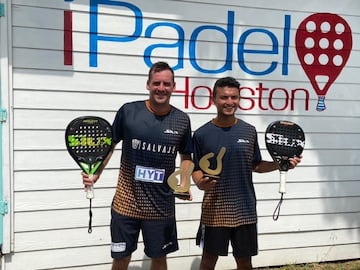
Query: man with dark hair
[152,133]
[229,203]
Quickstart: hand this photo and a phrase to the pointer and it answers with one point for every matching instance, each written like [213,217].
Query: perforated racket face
[323,45]
[88,140]
[284,140]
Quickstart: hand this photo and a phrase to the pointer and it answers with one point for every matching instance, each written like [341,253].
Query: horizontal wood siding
[320,215]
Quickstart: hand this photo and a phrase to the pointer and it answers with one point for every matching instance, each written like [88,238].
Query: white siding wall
[320,216]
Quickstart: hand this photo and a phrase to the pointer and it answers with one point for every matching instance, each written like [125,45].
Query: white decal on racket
[280,139]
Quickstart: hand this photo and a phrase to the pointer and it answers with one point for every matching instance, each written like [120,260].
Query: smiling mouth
[161,96]
[160,93]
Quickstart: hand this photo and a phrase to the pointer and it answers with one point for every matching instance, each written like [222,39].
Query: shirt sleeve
[257,153]
[186,144]
[117,126]
[196,153]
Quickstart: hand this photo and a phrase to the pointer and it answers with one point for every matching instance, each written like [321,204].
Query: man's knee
[208,261]
[121,264]
[158,263]
[243,263]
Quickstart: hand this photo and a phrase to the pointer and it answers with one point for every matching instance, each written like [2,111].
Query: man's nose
[161,86]
[229,100]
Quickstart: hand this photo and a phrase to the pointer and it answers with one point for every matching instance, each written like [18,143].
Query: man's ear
[147,85]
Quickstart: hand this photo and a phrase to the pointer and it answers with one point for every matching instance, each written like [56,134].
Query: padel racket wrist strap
[90,217]
[277,209]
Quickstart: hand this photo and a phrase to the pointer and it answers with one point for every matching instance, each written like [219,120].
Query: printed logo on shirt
[242,141]
[136,143]
[152,147]
[170,131]
[118,247]
[147,174]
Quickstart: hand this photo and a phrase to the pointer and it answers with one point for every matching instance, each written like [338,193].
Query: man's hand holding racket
[295,161]
[89,180]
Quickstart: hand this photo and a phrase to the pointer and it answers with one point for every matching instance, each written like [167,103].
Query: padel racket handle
[282,181]
[90,189]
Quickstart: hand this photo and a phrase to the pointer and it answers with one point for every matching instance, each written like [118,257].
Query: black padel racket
[284,140]
[89,141]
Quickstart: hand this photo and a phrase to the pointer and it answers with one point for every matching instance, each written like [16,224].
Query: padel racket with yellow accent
[284,140]
[89,141]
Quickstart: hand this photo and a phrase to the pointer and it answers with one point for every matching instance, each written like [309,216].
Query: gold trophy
[181,191]
[205,164]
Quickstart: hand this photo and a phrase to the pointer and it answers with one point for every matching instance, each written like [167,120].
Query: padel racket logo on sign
[323,44]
